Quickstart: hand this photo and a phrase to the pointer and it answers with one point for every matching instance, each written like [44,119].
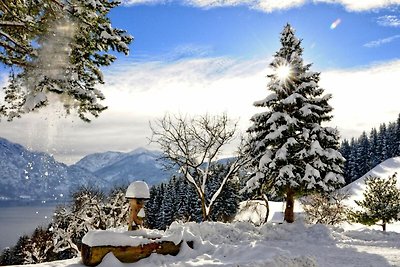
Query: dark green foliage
[381,202]
[176,200]
[6,258]
[364,153]
[54,46]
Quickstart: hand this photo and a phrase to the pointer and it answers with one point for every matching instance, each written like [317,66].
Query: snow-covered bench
[127,246]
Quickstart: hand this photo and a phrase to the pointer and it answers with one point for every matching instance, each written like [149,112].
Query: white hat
[138,189]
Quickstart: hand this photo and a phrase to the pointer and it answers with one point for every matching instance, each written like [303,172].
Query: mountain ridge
[35,175]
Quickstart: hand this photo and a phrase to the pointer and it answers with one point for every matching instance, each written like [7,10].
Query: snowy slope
[96,161]
[383,170]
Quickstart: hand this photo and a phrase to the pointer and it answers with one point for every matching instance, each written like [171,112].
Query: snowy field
[242,244]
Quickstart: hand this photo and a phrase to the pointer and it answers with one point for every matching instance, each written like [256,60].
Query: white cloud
[138,93]
[363,98]
[273,5]
[389,21]
[377,43]
[142,2]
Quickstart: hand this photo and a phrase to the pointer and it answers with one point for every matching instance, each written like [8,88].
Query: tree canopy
[57,47]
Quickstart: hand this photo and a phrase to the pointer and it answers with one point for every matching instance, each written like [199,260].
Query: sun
[283,72]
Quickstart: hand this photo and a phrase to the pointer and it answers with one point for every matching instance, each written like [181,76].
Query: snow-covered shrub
[39,247]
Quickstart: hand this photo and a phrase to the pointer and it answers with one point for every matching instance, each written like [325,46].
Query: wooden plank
[92,256]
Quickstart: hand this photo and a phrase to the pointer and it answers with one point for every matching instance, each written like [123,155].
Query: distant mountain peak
[142,150]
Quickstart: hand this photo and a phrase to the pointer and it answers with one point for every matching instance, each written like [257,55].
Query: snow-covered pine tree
[345,150]
[381,202]
[373,140]
[382,150]
[362,155]
[391,140]
[398,136]
[54,46]
[293,152]
[6,257]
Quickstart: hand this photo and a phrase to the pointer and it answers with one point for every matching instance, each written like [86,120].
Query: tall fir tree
[345,150]
[294,154]
[382,143]
[391,140]
[398,135]
[373,140]
[362,155]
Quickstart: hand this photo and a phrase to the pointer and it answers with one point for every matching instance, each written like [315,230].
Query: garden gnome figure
[137,193]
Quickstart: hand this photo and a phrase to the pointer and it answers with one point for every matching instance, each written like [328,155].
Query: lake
[16,220]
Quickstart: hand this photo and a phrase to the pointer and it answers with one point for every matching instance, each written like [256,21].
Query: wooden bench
[127,247]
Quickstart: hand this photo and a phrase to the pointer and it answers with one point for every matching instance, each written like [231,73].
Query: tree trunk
[289,214]
[265,198]
[384,226]
[203,208]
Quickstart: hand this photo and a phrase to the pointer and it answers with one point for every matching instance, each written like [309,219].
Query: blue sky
[211,56]
[246,33]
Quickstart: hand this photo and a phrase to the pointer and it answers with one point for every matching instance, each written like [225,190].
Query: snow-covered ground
[277,245]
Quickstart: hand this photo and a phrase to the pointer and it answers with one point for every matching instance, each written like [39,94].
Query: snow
[276,245]
[273,244]
[138,189]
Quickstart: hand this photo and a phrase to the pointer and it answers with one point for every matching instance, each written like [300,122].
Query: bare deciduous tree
[193,144]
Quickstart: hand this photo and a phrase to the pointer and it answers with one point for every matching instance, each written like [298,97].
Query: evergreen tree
[6,257]
[167,205]
[18,251]
[391,140]
[353,170]
[294,153]
[55,46]
[362,155]
[382,150]
[398,136]
[153,207]
[381,202]
[345,150]
[374,158]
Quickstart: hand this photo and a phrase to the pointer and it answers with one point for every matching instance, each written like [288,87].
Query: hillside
[383,170]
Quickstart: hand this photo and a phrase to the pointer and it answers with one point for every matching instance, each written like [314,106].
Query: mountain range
[30,175]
